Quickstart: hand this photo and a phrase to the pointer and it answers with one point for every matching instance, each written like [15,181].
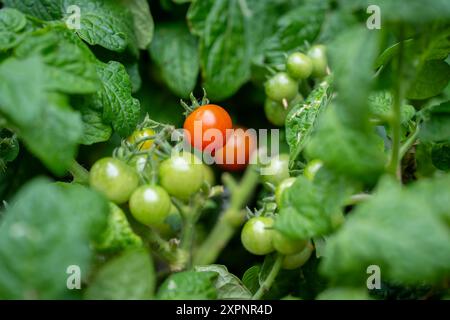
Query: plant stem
[409,142]
[395,122]
[175,257]
[265,286]
[229,221]
[79,173]
[190,217]
[357,198]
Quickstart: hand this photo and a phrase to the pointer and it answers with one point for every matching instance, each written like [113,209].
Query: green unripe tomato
[150,205]
[181,175]
[114,178]
[312,168]
[286,246]
[208,175]
[277,170]
[276,112]
[257,235]
[318,57]
[279,190]
[281,86]
[171,224]
[299,65]
[297,260]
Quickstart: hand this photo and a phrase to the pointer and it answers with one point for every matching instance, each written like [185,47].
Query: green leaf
[436,123]
[440,155]
[189,285]
[130,276]
[357,153]
[381,103]
[12,20]
[45,122]
[118,234]
[161,105]
[44,9]
[411,11]
[135,76]
[224,46]
[403,230]
[59,130]
[294,29]
[356,45]
[8,40]
[9,148]
[432,77]
[251,278]
[95,130]
[175,52]
[262,22]
[46,229]
[228,285]
[344,293]
[301,120]
[115,99]
[107,23]
[314,208]
[70,65]
[335,21]
[143,22]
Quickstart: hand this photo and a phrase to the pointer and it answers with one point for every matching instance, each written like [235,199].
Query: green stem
[79,173]
[395,122]
[175,257]
[409,142]
[190,217]
[265,286]
[229,221]
[357,198]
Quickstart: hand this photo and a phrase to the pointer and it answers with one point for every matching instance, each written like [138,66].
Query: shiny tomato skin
[181,175]
[236,153]
[114,178]
[150,205]
[257,235]
[287,246]
[209,116]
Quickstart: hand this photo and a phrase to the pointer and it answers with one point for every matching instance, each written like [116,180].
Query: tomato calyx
[195,103]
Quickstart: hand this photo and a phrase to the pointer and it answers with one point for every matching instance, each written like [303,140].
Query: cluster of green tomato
[258,235]
[180,176]
[282,88]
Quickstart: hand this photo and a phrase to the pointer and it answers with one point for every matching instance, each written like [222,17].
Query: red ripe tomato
[202,119]
[236,153]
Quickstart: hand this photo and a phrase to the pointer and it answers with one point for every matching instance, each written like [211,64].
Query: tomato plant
[109,189]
